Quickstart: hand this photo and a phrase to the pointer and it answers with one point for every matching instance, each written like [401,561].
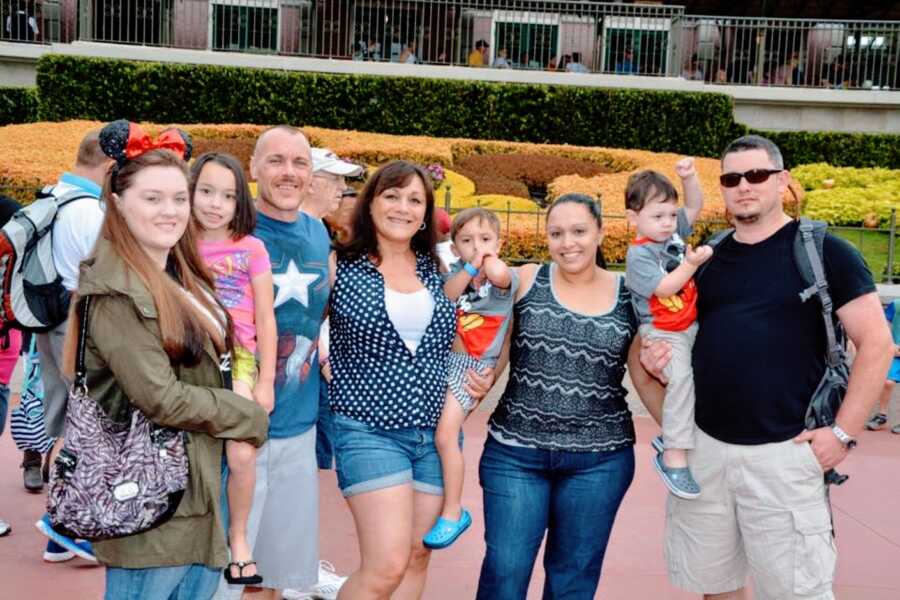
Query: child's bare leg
[452,463]
[885,399]
[241,482]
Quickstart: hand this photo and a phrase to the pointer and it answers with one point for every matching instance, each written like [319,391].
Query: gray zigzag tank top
[565,385]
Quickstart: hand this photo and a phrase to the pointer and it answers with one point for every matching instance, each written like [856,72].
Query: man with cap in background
[323,197]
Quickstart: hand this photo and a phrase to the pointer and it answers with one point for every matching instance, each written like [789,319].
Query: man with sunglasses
[758,356]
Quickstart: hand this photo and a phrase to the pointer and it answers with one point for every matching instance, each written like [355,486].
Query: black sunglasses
[731,180]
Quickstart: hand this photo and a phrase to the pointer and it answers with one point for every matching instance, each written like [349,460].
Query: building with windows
[850,48]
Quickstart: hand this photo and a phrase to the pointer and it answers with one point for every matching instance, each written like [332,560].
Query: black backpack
[809,258]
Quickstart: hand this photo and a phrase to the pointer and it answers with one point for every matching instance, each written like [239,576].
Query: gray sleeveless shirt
[565,384]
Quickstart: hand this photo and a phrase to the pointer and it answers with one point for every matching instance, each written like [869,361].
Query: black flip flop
[241,579]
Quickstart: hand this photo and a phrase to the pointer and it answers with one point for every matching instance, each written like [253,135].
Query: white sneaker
[329,582]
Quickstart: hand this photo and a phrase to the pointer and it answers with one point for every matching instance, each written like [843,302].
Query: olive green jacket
[126,365]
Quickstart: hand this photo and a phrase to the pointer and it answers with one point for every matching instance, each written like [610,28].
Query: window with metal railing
[245,28]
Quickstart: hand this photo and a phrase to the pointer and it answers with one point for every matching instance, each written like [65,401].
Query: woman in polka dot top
[391,331]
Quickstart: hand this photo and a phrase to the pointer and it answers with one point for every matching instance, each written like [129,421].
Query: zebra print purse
[112,479]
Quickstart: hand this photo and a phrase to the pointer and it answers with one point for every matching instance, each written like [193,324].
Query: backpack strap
[808,256]
[713,242]
[71,196]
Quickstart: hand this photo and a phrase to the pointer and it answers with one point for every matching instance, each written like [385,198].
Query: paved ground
[865,509]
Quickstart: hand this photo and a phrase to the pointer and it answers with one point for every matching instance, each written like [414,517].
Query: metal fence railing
[791,52]
[878,246]
[30,21]
[579,37]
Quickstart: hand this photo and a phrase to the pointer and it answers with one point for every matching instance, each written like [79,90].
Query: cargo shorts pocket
[814,551]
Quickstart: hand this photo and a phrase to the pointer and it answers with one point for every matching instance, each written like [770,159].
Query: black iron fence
[574,37]
[877,245]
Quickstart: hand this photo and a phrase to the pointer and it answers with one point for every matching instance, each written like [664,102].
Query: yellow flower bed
[496,202]
[460,187]
[849,196]
[818,176]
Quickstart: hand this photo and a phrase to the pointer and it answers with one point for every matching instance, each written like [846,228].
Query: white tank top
[410,314]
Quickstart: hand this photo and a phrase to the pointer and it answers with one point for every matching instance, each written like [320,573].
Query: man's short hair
[644,185]
[90,154]
[470,214]
[756,142]
[290,129]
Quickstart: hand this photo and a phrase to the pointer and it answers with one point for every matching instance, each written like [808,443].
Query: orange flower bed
[32,155]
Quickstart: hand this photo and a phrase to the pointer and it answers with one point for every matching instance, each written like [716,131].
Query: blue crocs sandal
[657,444]
[679,480]
[446,531]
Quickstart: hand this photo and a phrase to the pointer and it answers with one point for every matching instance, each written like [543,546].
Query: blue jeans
[368,458]
[187,582]
[573,496]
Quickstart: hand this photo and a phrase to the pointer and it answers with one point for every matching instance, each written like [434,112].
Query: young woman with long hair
[158,341]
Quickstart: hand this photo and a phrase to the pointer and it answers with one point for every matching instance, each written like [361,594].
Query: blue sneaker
[56,553]
[78,548]
[446,531]
[679,480]
[657,444]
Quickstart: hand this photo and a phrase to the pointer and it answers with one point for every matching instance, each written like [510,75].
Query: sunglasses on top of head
[731,180]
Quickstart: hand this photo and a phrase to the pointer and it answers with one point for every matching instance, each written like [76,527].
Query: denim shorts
[368,458]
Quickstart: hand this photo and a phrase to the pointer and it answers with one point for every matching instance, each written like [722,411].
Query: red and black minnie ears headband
[123,140]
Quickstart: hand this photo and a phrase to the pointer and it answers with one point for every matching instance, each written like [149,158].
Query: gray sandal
[679,480]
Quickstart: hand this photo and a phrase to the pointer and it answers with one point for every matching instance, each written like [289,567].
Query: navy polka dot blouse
[377,380]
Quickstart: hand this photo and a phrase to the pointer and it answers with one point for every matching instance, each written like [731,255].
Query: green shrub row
[18,105]
[90,88]
[837,148]
[699,124]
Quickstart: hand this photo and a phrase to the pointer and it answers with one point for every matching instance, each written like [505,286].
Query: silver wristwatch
[848,442]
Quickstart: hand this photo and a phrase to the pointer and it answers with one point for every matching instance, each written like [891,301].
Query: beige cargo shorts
[763,513]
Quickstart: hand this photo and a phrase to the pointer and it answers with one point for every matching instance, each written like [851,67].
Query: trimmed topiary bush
[690,123]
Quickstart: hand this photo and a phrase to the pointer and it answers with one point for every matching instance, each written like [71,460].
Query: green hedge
[18,105]
[699,124]
[837,149]
[691,123]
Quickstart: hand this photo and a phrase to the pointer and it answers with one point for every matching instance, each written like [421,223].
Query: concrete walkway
[865,512]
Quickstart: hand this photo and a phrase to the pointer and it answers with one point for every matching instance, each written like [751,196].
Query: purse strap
[80,369]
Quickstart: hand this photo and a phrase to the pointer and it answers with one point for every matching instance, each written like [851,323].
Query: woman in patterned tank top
[559,455]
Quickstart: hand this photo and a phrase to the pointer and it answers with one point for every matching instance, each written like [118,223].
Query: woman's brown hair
[364,240]
[183,328]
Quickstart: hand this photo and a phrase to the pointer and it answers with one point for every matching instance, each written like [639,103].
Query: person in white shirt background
[75,232]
